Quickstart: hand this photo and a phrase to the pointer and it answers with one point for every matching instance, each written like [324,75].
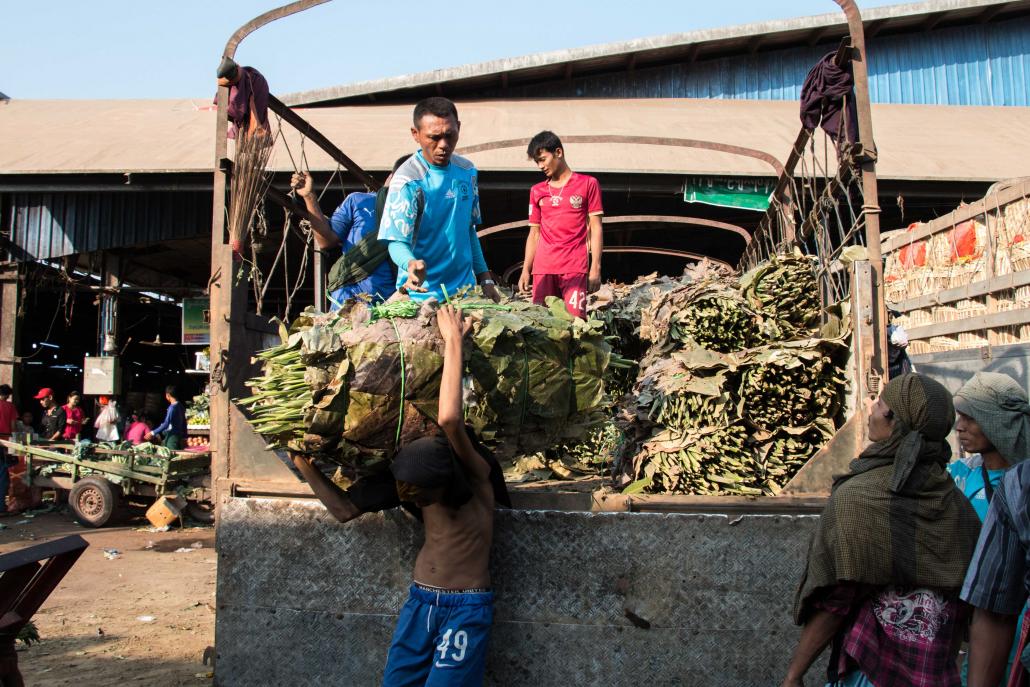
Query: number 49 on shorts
[457,654]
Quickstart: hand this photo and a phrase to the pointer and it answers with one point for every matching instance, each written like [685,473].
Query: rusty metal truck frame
[778,230]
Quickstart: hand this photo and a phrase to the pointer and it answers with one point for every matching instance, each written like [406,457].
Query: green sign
[196,321]
[745,193]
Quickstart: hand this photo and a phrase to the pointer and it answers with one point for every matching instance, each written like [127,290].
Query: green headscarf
[999,405]
[923,417]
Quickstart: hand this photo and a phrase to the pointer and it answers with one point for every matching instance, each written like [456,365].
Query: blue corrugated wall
[986,64]
[51,225]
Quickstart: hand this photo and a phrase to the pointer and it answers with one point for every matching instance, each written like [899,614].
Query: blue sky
[169,49]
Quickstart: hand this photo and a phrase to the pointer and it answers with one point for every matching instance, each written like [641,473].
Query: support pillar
[10,334]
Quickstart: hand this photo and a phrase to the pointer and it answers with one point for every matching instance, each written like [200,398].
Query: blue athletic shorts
[440,640]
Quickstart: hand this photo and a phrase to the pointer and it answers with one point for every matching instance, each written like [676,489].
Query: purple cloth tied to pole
[828,87]
[251,85]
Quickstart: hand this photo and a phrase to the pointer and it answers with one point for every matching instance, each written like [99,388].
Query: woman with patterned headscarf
[993,429]
[889,555]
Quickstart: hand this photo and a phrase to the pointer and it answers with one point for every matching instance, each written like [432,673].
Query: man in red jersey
[564,213]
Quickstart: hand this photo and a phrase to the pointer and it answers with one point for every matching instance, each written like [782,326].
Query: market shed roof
[642,53]
[916,142]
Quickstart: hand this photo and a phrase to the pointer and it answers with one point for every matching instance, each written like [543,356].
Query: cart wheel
[201,511]
[94,501]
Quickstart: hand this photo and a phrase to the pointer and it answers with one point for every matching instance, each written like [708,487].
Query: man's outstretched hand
[416,276]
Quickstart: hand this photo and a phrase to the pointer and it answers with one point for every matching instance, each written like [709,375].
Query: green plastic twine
[400,412]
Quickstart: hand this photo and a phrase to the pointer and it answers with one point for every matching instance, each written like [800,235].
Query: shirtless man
[444,627]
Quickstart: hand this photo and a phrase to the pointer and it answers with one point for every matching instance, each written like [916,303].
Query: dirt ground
[142,617]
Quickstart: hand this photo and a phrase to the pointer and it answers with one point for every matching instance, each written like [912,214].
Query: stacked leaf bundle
[784,289]
[354,385]
[710,314]
[724,404]
[618,307]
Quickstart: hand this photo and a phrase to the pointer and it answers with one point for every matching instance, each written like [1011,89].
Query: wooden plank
[957,216]
[259,487]
[105,467]
[971,324]
[972,290]
[673,503]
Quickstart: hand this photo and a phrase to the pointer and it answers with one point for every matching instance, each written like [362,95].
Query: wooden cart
[97,488]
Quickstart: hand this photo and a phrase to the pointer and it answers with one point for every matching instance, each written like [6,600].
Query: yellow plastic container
[165,510]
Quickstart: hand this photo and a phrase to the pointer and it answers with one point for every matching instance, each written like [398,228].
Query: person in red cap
[54,417]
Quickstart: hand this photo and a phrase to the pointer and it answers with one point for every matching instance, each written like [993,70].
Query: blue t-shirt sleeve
[401,254]
[342,221]
[399,213]
[167,424]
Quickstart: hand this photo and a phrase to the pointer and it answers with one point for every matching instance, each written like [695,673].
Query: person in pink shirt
[564,217]
[74,417]
[137,429]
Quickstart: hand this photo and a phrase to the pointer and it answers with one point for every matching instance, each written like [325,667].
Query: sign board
[744,193]
[196,321]
[101,376]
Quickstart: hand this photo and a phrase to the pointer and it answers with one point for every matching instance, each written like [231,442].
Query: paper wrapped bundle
[354,385]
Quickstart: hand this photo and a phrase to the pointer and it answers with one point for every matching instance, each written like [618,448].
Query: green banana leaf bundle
[354,385]
[619,306]
[792,385]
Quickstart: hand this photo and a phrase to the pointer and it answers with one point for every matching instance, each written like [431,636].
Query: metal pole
[866,157]
[228,294]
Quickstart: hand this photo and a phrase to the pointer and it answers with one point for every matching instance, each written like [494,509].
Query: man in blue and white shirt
[432,211]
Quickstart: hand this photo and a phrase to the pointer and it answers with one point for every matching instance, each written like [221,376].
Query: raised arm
[453,328]
[335,500]
[325,238]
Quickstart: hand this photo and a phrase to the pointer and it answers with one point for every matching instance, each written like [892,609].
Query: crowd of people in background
[70,423]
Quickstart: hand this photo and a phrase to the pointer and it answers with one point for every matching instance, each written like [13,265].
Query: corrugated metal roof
[744,44]
[52,225]
[986,64]
[916,142]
